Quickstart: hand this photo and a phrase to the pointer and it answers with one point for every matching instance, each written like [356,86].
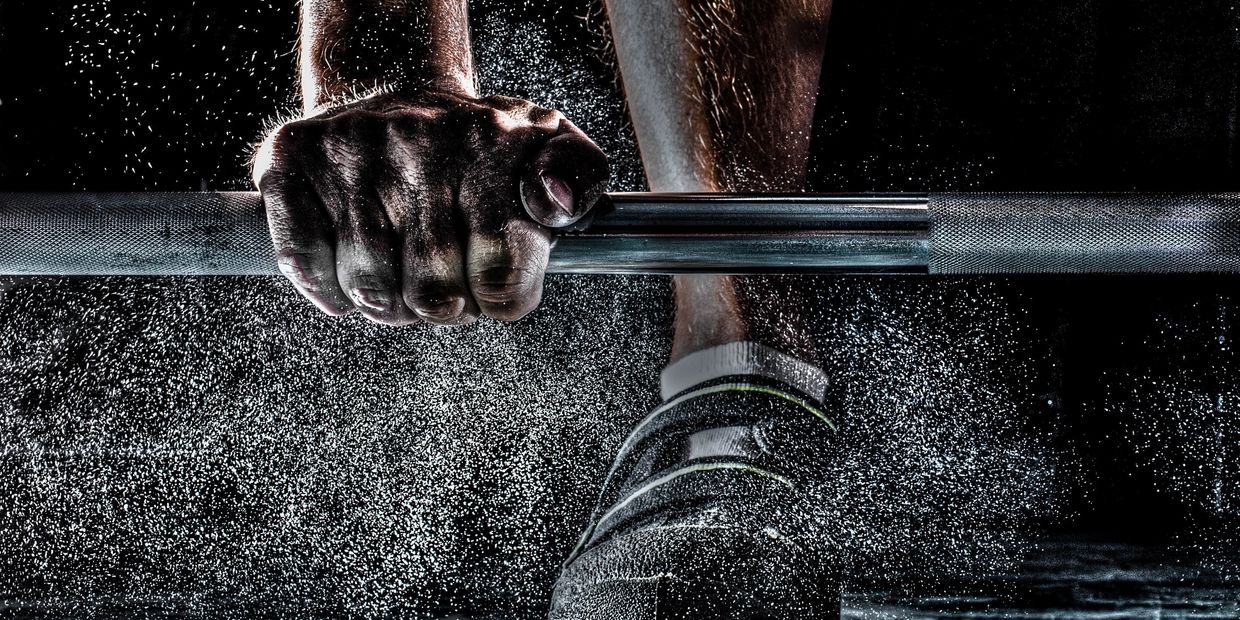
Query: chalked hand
[436,206]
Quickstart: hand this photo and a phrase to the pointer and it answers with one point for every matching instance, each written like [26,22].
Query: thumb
[565,178]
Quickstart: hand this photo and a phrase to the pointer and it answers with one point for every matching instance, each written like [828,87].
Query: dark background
[1126,385]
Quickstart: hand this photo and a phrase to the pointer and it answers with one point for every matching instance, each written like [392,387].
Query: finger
[505,271]
[367,265]
[300,234]
[434,280]
[421,207]
[565,178]
[367,259]
[505,254]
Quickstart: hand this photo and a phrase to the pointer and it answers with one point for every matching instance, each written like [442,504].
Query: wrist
[454,82]
[325,100]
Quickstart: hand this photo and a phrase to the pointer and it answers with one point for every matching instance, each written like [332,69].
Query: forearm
[351,46]
[722,92]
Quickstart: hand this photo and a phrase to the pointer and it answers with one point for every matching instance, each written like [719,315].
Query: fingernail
[372,298]
[559,191]
[440,309]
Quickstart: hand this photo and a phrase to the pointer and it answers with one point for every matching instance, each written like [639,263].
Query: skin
[429,202]
[401,193]
[721,94]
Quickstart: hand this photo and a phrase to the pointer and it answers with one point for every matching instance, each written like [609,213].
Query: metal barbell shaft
[225,233]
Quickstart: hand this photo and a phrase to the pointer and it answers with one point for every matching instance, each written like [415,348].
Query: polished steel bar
[773,233]
[635,212]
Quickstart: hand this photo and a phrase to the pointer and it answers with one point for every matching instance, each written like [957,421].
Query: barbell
[225,233]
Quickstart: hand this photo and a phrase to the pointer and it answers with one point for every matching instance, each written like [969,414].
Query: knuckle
[477,123]
[527,111]
[413,134]
[363,278]
[271,183]
[336,135]
[351,127]
[505,102]
[430,290]
[406,126]
[545,117]
[481,115]
[283,153]
[273,155]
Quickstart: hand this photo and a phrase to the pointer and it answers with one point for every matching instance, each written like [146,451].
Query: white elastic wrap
[742,358]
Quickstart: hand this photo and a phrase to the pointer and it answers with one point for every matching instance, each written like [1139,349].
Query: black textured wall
[213,447]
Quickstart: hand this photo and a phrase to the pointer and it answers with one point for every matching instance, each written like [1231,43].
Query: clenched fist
[437,206]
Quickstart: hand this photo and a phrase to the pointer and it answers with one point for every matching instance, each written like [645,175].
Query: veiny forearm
[351,46]
[721,91]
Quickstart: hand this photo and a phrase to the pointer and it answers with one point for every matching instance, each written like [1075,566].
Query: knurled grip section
[1012,233]
[83,233]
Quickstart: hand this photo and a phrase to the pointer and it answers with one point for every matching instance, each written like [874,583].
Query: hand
[433,207]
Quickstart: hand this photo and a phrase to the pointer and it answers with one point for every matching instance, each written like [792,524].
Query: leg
[705,512]
[722,94]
